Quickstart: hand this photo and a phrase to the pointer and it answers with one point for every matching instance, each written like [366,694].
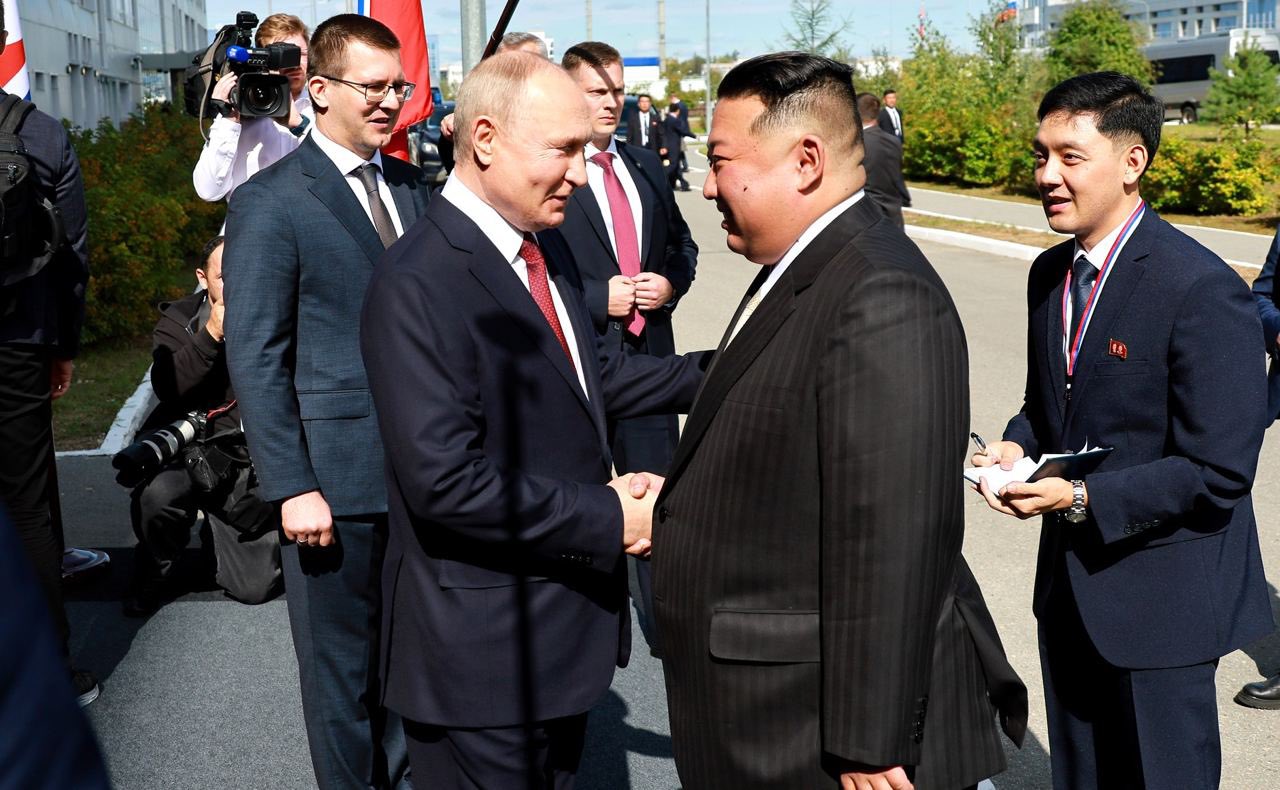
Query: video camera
[258,93]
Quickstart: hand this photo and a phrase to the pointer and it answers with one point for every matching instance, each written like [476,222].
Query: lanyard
[1073,351]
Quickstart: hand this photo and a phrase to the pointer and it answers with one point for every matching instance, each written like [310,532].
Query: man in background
[890,118]
[644,125]
[302,241]
[882,161]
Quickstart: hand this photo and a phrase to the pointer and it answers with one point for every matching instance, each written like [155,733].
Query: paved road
[1231,245]
[204,693]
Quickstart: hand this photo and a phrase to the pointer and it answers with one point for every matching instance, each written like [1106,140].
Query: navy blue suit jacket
[48,307]
[299,255]
[666,248]
[1264,293]
[1166,570]
[504,593]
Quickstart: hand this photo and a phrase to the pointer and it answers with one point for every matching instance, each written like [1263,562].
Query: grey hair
[516,40]
[494,88]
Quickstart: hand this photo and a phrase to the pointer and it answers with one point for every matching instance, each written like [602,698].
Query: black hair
[887,91]
[789,83]
[1121,107]
[644,96]
[207,251]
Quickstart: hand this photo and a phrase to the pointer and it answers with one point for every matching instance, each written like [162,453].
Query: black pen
[982,446]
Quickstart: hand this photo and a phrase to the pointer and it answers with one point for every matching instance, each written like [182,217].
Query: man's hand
[644,482]
[637,515]
[292,119]
[1002,453]
[222,90]
[652,290]
[893,778]
[446,126]
[214,324]
[622,296]
[307,519]
[1025,500]
[60,377]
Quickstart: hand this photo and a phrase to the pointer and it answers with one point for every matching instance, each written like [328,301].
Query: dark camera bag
[31,229]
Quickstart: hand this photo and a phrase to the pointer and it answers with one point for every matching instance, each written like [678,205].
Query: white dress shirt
[507,239]
[595,180]
[897,120]
[347,162]
[236,150]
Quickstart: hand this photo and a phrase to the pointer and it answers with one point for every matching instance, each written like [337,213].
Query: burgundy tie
[624,230]
[536,266]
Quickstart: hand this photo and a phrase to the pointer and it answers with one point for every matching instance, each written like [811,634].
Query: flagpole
[500,29]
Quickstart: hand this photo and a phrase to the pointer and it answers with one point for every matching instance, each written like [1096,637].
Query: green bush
[146,223]
[1225,177]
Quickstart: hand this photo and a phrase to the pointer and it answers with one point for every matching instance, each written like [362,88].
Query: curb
[968,241]
[126,423]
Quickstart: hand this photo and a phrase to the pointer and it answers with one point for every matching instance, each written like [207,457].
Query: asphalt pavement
[204,693]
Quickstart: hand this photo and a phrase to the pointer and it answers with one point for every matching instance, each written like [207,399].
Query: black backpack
[31,229]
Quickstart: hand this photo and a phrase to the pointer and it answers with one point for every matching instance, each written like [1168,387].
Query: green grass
[104,379]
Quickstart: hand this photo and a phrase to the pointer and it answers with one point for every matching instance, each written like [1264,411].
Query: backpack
[31,229]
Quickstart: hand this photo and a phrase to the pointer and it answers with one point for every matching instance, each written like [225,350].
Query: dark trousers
[26,451]
[540,756]
[335,597]
[1118,728]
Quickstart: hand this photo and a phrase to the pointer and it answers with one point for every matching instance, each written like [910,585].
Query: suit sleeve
[260,272]
[423,368]
[1264,294]
[1217,416]
[636,385]
[892,414]
[1020,429]
[72,264]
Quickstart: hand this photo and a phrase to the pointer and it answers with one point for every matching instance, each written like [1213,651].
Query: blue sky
[750,26]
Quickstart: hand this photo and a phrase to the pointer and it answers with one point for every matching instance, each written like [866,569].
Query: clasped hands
[646,291]
[637,493]
[1022,500]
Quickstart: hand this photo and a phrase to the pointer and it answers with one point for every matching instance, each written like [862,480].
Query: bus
[1182,67]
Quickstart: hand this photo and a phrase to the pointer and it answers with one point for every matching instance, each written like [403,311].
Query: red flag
[404,17]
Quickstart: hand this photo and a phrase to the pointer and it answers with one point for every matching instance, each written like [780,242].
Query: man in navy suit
[1141,340]
[302,240]
[504,578]
[636,257]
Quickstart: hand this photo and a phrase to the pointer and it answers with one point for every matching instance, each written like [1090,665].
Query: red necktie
[624,230]
[539,288]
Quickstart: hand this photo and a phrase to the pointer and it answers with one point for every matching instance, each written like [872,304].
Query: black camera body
[154,451]
[258,93]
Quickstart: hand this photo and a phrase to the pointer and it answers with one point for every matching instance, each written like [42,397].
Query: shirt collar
[505,236]
[342,157]
[591,149]
[1098,255]
[810,233]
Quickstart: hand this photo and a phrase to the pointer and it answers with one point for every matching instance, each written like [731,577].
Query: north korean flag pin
[1117,348]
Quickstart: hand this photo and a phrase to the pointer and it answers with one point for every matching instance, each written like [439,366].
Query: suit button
[662,514]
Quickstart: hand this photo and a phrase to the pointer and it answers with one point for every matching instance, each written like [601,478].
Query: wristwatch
[1076,513]
[301,127]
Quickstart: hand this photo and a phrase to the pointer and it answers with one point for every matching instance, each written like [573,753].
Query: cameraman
[189,374]
[236,150]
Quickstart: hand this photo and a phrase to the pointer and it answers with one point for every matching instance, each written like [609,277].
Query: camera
[258,93]
[154,451]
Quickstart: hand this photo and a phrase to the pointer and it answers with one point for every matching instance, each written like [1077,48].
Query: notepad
[1068,466]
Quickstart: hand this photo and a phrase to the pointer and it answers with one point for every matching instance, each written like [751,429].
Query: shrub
[1224,177]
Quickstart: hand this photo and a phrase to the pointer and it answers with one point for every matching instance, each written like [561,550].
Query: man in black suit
[882,161]
[890,118]
[675,127]
[42,292]
[820,628]
[302,240]
[1149,570]
[504,578]
[636,257]
[644,125]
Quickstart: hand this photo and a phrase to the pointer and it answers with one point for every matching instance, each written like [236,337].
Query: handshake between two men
[637,493]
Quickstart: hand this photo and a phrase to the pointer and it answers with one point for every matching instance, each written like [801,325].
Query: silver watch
[1076,513]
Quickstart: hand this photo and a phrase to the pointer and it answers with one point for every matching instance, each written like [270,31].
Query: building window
[39,78]
[1162,30]
[1226,21]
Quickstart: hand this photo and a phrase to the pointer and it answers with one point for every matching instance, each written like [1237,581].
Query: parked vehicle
[424,143]
[1182,67]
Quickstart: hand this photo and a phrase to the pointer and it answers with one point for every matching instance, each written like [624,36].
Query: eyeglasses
[376,93]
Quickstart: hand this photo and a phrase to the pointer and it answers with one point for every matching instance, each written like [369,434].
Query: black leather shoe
[1264,694]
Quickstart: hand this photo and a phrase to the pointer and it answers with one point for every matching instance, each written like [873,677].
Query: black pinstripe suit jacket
[813,602]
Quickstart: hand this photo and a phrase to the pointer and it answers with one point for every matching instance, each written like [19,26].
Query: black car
[629,104]
[424,143]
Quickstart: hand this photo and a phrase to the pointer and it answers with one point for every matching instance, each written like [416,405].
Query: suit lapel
[648,198]
[403,196]
[584,335]
[1053,335]
[586,200]
[331,188]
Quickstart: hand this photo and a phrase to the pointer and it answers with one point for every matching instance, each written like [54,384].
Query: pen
[982,446]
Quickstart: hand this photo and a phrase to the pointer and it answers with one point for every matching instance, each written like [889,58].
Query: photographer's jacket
[189,370]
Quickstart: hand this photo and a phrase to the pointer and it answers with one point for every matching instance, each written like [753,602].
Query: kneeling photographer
[191,456]
[238,146]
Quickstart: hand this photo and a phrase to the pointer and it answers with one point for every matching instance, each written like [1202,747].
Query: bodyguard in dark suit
[890,118]
[675,127]
[820,628]
[1149,568]
[504,576]
[644,125]
[636,257]
[303,237]
[882,162]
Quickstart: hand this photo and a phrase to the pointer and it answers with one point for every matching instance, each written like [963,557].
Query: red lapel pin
[1117,348]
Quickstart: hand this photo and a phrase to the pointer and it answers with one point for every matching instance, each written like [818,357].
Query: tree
[1095,36]
[816,32]
[1245,93]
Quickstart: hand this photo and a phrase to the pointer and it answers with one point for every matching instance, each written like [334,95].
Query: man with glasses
[303,238]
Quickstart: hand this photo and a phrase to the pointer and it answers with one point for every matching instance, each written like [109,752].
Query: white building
[1163,19]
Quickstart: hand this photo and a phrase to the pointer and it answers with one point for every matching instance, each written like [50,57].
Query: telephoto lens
[154,451]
